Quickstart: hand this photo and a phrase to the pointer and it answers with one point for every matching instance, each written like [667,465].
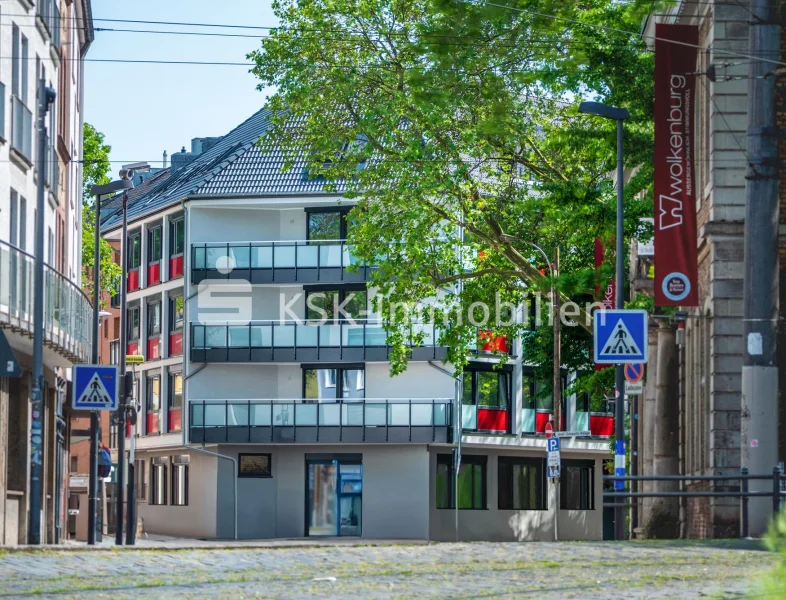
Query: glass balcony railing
[21,128]
[67,311]
[276,341]
[311,261]
[373,420]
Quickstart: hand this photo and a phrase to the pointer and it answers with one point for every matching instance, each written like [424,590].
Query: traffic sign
[552,456]
[95,387]
[620,336]
[134,359]
[632,389]
[634,372]
[549,430]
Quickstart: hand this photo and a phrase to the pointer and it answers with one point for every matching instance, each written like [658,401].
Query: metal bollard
[776,491]
[744,487]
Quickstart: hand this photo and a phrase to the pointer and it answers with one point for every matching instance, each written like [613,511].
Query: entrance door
[334,498]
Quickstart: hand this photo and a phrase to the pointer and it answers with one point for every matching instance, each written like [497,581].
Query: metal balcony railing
[356,420]
[305,261]
[67,311]
[21,128]
[276,341]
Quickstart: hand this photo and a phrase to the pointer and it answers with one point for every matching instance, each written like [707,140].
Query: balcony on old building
[309,261]
[305,341]
[366,420]
[67,311]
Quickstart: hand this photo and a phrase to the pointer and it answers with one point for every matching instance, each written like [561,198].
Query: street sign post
[620,336]
[552,456]
[95,387]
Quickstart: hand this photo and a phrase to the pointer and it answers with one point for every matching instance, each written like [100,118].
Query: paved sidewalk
[337,569]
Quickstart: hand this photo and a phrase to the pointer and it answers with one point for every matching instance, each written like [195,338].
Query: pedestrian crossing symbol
[620,336]
[95,387]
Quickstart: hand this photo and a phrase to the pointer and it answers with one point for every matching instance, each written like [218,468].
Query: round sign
[634,372]
[676,286]
[549,430]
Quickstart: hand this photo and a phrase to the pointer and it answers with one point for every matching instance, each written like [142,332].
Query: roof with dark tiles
[235,167]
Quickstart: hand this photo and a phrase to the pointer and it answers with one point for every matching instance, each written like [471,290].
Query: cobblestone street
[683,569]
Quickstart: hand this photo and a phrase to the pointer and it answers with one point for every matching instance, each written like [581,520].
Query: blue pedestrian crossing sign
[95,387]
[620,336]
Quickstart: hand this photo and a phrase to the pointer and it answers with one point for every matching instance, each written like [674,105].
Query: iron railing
[742,490]
[277,261]
[264,341]
[67,311]
[21,128]
[351,420]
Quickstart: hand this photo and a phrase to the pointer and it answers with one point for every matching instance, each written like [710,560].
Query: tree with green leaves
[95,172]
[454,124]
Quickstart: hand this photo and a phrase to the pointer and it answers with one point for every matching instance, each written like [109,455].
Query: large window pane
[577,485]
[444,484]
[488,388]
[320,383]
[521,484]
[324,226]
[353,383]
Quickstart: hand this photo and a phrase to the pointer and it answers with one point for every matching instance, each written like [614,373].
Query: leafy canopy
[451,121]
[95,172]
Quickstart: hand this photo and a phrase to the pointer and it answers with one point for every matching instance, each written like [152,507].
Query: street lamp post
[92,496]
[619,115]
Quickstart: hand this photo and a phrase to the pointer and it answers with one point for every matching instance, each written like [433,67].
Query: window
[471,482]
[577,485]
[254,465]
[522,484]
[323,226]
[158,481]
[154,318]
[346,303]
[180,480]
[133,323]
[140,483]
[326,383]
[16,67]
[176,237]
[176,313]
[2,110]
[134,251]
[114,353]
[538,394]
[153,245]
[175,391]
[74,464]
[487,388]
[50,256]
[153,394]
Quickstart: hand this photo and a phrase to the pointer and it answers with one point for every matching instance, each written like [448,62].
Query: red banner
[676,260]
[606,296]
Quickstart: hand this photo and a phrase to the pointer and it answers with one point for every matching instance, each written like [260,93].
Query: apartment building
[42,39]
[261,424]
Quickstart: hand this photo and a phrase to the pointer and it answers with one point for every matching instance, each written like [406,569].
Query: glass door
[322,498]
[334,498]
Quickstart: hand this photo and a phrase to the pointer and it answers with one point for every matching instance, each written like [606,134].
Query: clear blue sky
[144,109]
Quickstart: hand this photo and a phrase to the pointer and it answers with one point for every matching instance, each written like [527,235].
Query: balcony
[323,261]
[369,420]
[304,341]
[67,311]
[21,129]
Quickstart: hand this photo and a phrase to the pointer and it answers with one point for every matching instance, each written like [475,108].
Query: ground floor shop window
[522,484]
[158,481]
[577,485]
[180,480]
[471,482]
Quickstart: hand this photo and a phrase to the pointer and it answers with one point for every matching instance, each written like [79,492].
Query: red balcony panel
[154,273]
[175,419]
[133,348]
[488,342]
[601,424]
[128,429]
[541,418]
[494,419]
[152,423]
[133,280]
[153,348]
[176,267]
[176,343]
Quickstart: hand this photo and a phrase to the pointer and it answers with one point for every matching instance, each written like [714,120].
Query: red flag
[676,259]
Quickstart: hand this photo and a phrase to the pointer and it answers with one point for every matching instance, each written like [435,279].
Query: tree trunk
[647,420]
